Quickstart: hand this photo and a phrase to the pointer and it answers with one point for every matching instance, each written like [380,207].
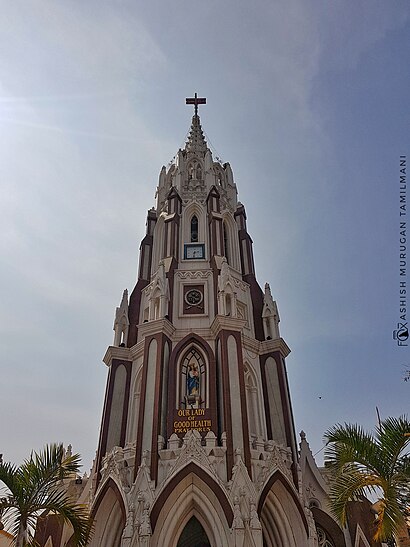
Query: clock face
[194,251]
[193,297]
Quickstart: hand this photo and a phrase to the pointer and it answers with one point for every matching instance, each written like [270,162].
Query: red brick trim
[244,410]
[107,407]
[226,393]
[138,450]
[162,340]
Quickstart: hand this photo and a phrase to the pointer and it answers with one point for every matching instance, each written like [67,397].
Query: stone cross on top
[195,101]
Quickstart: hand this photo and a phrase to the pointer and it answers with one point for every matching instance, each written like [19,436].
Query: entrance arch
[193,535]
[192,496]
[282,517]
[108,516]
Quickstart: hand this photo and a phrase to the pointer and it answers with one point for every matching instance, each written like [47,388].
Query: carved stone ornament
[114,465]
[278,457]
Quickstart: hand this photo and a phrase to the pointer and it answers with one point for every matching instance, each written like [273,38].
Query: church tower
[197,444]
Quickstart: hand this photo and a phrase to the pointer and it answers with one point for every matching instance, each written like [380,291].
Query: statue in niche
[192,379]
[192,371]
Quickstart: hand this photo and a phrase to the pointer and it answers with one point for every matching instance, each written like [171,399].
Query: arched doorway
[193,535]
[191,506]
[281,514]
[108,517]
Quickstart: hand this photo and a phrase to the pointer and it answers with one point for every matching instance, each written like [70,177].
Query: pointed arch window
[194,171]
[194,229]
[193,379]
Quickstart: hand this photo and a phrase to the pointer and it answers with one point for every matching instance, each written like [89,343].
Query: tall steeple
[197,437]
[197,443]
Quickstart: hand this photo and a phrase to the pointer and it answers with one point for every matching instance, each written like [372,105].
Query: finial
[195,101]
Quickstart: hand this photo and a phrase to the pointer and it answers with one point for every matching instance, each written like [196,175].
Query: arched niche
[252,401]
[281,514]
[220,176]
[192,379]
[194,171]
[114,435]
[134,407]
[175,378]
[231,241]
[191,211]
[158,250]
[108,515]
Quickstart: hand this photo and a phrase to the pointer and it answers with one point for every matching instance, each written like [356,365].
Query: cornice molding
[116,352]
[223,322]
[155,327]
[268,346]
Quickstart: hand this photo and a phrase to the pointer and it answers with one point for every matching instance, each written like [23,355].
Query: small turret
[121,322]
[270,315]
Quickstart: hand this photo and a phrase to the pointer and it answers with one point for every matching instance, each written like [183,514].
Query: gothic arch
[329,526]
[191,492]
[192,378]
[134,406]
[194,170]
[232,253]
[158,243]
[191,340]
[108,516]
[220,176]
[118,406]
[284,522]
[252,401]
[193,533]
[194,209]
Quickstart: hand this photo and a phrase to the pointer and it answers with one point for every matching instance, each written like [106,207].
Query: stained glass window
[193,379]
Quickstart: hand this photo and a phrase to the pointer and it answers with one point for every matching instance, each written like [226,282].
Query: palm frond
[350,485]
[43,470]
[391,438]
[363,464]
[36,486]
[59,503]
[350,443]
[9,476]
[390,518]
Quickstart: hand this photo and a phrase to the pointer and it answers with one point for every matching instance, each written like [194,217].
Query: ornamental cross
[195,101]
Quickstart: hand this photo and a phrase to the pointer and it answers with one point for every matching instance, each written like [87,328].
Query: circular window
[193,297]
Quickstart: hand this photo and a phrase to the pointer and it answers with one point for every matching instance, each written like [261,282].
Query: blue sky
[308,101]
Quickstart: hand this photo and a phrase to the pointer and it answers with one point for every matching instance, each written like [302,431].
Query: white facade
[197,444]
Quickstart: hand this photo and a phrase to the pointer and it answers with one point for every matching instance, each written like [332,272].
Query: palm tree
[374,465]
[35,488]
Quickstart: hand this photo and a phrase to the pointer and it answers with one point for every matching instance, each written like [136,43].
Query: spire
[196,141]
